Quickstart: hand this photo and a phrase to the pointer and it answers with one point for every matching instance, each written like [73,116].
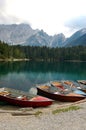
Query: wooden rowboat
[70,86]
[57,84]
[82,81]
[46,91]
[82,84]
[79,84]
[23,101]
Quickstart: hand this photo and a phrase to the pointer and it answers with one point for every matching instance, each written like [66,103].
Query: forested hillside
[42,53]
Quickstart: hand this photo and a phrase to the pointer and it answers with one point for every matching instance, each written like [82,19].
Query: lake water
[24,75]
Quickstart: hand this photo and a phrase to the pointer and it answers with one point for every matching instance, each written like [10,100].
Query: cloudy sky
[53,16]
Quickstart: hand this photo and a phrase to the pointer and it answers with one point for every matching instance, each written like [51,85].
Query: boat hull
[25,103]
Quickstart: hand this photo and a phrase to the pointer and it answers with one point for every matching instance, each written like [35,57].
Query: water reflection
[24,75]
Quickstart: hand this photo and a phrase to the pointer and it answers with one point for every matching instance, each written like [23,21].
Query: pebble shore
[71,120]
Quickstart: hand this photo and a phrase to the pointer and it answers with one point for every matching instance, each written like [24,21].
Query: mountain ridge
[24,35]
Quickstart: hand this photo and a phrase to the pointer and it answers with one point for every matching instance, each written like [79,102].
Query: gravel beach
[45,120]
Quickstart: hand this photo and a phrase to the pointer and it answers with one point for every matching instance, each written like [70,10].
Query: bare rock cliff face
[24,35]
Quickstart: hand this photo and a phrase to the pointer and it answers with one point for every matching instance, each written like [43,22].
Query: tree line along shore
[19,53]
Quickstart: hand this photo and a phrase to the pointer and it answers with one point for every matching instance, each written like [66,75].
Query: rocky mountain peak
[23,34]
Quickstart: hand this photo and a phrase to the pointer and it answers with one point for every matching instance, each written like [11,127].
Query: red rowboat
[37,101]
[46,91]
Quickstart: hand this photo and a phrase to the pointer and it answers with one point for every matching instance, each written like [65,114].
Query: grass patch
[70,108]
[38,113]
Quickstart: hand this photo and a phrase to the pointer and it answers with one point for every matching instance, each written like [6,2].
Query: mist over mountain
[24,35]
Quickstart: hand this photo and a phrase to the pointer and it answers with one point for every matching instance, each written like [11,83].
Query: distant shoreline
[74,61]
[15,59]
[25,59]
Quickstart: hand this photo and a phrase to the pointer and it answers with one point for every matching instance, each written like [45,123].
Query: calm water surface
[24,75]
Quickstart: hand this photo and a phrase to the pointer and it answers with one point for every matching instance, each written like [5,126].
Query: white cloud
[77,22]
[49,15]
